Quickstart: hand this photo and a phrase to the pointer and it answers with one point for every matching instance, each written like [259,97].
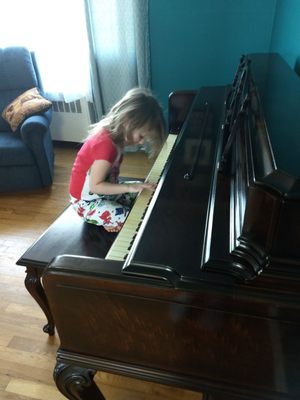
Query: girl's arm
[100,170]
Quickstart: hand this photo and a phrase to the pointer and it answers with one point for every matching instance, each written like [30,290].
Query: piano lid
[173,233]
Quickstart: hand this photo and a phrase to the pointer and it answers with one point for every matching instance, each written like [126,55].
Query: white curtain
[120,51]
[56,32]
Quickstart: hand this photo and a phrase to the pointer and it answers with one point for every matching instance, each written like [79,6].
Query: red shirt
[97,147]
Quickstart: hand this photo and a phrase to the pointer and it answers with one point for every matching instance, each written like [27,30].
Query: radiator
[70,121]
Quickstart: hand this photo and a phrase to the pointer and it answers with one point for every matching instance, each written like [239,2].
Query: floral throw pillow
[28,103]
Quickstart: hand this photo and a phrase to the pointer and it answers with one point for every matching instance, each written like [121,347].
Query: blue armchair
[26,154]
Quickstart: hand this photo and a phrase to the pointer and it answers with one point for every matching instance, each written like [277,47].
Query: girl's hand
[100,170]
[138,187]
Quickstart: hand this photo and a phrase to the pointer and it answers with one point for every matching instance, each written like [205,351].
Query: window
[56,31]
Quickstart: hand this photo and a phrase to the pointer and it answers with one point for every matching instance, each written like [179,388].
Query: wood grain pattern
[27,355]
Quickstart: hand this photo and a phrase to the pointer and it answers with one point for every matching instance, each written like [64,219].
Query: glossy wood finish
[179,106]
[208,298]
[67,235]
[225,340]
[179,209]
[244,219]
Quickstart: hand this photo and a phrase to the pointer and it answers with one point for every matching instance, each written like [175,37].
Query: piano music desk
[67,235]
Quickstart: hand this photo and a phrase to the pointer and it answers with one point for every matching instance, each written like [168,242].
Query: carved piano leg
[35,288]
[76,383]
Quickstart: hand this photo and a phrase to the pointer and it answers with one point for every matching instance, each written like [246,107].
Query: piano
[201,288]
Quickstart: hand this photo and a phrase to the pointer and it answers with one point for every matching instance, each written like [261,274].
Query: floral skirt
[111,210]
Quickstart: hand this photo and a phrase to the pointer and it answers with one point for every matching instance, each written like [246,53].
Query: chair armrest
[39,122]
[36,135]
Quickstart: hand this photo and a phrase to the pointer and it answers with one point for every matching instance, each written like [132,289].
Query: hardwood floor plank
[34,390]
[151,390]
[27,359]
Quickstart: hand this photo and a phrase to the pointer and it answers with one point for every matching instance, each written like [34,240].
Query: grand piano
[201,288]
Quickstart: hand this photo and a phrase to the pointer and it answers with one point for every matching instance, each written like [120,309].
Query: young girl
[95,193]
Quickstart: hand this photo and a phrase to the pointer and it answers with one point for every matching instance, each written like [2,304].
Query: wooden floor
[27,355]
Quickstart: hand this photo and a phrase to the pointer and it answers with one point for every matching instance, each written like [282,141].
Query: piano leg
[35,288]
[76,383]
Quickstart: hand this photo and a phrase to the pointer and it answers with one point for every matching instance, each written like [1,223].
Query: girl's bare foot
[112,228]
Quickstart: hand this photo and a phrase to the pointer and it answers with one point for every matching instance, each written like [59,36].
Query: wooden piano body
[208,297]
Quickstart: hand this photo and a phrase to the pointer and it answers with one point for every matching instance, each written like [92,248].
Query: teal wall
[286,32]
[199,42]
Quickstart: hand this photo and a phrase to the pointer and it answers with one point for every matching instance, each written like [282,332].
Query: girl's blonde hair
[138,108]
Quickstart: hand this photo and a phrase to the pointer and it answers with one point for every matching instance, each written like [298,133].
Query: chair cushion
[14,151]
[28,103]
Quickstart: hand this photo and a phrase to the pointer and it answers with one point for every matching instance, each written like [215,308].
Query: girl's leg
[107,213]
[127,199]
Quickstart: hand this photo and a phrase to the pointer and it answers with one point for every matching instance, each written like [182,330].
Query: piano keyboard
[122,243]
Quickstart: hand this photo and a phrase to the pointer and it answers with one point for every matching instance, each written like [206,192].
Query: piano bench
[68,234]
